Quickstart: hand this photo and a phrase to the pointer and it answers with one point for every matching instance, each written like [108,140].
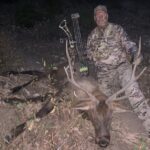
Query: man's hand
[137,59]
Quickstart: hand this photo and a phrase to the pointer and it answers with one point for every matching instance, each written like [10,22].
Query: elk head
[93,103]
[97,105]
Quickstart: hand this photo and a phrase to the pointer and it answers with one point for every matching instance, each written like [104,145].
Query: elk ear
[85,105]
[118,108]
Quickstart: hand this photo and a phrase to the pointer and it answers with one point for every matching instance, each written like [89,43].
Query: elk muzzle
[102,140]
[101,118]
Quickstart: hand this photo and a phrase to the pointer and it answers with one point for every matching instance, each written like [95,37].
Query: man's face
[101,18]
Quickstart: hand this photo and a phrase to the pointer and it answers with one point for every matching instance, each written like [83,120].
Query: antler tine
[136,63]
[139,49]
[133,79]
[114,96]
[71,78]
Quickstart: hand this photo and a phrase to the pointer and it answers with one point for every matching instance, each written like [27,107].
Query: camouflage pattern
[108,46]
[107,49]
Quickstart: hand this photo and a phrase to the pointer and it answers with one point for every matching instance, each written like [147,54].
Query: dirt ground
[63,128]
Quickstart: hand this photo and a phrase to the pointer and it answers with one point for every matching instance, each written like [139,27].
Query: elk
[91,100]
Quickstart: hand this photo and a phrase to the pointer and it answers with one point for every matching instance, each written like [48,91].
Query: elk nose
[103,141]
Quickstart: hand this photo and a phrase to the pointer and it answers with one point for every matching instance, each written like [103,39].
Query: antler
[72,80]
[115,97]
[91,98]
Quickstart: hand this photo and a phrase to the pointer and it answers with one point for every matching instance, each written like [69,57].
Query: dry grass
[64,128]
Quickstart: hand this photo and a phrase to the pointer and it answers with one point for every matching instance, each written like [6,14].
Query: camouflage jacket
[108,46]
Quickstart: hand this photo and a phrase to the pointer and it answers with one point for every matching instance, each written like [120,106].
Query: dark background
[29,28]
[27,13]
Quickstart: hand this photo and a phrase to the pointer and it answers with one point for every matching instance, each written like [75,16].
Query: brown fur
[99,114]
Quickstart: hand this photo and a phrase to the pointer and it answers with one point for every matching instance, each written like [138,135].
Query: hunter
[107,48]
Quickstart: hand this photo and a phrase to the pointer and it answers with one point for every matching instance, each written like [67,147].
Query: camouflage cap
[100,7]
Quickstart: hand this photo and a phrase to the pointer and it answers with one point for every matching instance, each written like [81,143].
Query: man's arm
[89,48]
[129,45]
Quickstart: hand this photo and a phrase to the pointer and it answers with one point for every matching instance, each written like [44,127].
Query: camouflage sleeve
[89,48]
[129,46]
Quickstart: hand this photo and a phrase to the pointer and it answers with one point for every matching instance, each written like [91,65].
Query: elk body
[92,101]
[89,98]
[96,104]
